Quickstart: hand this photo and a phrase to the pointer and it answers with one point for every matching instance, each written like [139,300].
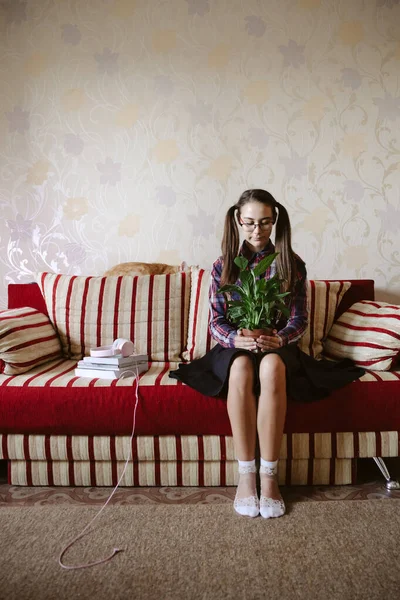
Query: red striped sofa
[58,429]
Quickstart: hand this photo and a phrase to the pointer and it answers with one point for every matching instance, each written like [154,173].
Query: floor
[370,485]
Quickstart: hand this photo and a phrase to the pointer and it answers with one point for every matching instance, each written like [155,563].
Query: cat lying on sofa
[142,268]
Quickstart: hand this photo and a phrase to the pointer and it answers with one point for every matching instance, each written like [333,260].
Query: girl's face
[256,221]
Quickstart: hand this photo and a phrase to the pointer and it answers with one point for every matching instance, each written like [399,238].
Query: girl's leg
[270,423]
[243,418]
[242,407]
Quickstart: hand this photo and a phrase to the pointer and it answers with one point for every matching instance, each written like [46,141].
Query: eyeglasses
[250,226]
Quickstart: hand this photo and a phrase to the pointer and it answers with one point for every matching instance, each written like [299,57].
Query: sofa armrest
[360,289]
[26,294]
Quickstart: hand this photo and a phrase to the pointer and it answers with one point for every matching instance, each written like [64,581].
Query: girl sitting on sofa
[256,384]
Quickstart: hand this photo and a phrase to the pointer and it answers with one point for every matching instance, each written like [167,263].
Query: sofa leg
[391,484]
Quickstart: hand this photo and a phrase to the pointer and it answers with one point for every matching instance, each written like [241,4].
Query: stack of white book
[112,367]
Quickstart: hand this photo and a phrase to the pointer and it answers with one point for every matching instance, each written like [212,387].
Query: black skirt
[307,379]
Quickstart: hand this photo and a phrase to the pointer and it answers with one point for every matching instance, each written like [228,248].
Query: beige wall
[128,127]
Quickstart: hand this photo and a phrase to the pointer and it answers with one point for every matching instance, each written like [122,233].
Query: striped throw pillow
[323,299]
[199,339]
[27,339]
[368,333]
[150,310]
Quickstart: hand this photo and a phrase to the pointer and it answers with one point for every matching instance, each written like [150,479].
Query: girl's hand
[247,343]
[269,342]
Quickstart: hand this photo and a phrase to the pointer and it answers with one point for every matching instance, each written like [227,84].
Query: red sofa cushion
[177,409]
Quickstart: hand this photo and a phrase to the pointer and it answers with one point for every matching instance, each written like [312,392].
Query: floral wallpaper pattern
[128,127]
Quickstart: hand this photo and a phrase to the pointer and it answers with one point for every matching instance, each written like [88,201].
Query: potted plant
[255,313]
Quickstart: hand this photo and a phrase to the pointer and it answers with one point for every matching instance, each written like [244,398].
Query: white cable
[115,550]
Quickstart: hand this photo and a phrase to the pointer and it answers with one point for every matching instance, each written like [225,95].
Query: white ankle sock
[270,507]
[246,501]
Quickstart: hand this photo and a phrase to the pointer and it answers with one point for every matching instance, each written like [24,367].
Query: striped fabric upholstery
[208,460]
[199,339]
[107,473]
[325,471]
[60,373]
[323,298]
[369,334]
[150,310]
[143,448]
[187,448]
[27,339]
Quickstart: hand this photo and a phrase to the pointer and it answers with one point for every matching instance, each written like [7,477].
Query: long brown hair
[285,261]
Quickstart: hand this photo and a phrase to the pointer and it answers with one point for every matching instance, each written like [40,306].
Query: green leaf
[262,285]
[264,264]
[245,276]
[231,288]
[241,262]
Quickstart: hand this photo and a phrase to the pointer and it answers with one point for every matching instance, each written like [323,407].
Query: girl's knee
[272,369]
[241,368]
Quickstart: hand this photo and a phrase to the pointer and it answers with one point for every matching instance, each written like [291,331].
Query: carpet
[319,550]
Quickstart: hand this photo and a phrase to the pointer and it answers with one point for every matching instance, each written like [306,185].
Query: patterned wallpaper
[128,127]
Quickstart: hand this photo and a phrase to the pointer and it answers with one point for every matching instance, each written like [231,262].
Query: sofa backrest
[87,312]
[324,298]
[196,337]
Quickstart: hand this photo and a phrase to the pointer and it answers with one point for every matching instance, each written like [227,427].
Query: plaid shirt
[289,329]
